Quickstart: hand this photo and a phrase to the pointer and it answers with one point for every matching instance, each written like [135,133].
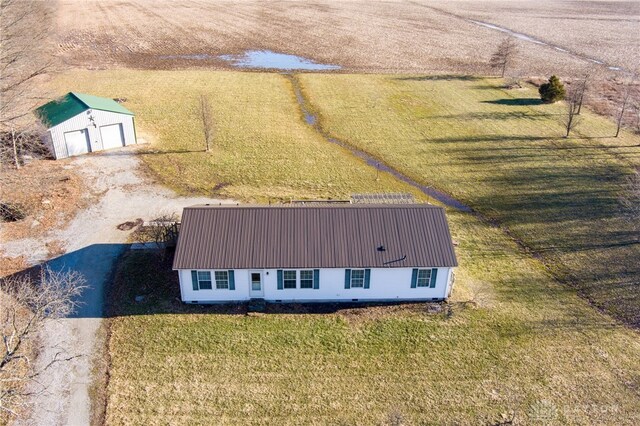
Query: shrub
[552,91]
[11,212]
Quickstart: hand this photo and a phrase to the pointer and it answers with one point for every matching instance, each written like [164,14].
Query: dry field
[363,36]
[49,194]
[606,30]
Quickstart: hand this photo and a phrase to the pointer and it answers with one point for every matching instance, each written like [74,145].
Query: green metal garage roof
[72,104]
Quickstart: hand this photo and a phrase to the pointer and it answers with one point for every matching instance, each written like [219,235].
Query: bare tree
[630,202]
[630,86]
[16,143]
[623,108]
[25,306]
[163,230]
[637,115]
[24,57]
[503,56]
[207,121]
[573,103]
[581,90]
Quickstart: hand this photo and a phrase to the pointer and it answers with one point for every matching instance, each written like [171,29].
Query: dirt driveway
[92,244]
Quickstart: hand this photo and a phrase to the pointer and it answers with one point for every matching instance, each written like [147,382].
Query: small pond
[266,59]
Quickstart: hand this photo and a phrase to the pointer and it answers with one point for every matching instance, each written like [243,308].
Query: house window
[289,279]
[222,280]
[357,278]
[306,279]
[424,278]
[204,280]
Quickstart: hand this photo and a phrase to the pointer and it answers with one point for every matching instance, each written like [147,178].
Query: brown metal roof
[337,236]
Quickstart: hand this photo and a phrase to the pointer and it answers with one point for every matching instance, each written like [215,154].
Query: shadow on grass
[515,102]
[493,138]
[145,151]
[513,115]
[443,77]
[175,151]
[145,284]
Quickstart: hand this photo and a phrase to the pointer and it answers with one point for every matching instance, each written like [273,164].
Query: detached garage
[78,123]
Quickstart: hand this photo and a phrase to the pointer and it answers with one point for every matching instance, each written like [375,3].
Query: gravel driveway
[93,244]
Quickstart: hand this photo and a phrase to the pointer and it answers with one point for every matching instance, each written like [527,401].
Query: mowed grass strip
[502,152]
[262,150]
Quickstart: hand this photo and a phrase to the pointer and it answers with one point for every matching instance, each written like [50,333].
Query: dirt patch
[100,366]
[128,226]
[48,193]
[55,248]
[11,265]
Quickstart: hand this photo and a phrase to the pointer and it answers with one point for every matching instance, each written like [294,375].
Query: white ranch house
[331,253]
[78,123]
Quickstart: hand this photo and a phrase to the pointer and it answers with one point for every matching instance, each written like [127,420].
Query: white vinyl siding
[386,284]
[82,122]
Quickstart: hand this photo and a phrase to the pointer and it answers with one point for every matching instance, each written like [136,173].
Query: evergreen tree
[552,91]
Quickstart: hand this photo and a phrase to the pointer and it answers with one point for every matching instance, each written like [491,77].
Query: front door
[255,284]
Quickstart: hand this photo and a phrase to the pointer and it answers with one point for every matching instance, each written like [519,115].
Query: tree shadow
[96,264]
[442,77]
[173,151]
[515,102]
[494,138]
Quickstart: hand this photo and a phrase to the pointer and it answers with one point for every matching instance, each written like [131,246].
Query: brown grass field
[363,36]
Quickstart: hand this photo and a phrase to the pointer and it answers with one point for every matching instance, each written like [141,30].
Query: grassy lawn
[263,149]
[502,152]
[525,345]
[512,340]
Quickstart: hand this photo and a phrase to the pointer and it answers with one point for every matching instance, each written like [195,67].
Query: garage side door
[77,142]
[112,136]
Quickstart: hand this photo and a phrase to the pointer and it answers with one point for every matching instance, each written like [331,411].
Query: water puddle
[266,59]
[312,120]
[529,39]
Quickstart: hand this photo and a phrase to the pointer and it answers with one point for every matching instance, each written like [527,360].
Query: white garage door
[112,136]
[77,142]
